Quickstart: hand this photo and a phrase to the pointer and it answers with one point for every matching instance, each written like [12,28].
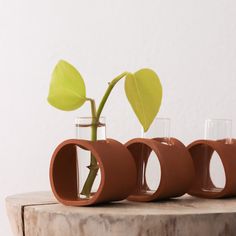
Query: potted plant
[67,92]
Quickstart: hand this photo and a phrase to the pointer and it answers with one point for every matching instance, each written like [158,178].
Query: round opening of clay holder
[63,170]
[201,152]
[141,149]
[205,182]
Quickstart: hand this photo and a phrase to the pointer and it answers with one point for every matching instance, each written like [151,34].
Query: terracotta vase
[177,171]
[201,152]
[117,166]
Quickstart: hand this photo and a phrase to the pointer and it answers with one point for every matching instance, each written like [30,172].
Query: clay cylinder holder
[201,152]
[118,171]
[177,171]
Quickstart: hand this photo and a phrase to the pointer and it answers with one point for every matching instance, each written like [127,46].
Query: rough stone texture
[183,216]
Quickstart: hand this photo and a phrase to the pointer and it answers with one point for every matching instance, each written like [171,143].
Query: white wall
[191,44]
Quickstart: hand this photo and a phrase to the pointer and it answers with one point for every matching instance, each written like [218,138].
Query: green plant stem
[93,167]
[93,106]
[108,91]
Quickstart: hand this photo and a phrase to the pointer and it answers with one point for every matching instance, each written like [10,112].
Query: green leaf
[67,89]
[144,92]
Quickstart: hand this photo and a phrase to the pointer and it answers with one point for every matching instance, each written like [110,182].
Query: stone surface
[38,214]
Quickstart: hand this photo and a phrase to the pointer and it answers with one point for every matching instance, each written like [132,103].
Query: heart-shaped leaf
[144,92]
[67,89]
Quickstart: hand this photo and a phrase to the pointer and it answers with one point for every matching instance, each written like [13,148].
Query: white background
[190,44]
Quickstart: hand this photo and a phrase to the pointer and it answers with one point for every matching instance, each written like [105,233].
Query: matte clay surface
[201,152]
[118,172]
[177,171]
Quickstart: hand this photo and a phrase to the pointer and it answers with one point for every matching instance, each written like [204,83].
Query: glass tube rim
[218,119]
[162,119]
[79,119]
[213,121]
